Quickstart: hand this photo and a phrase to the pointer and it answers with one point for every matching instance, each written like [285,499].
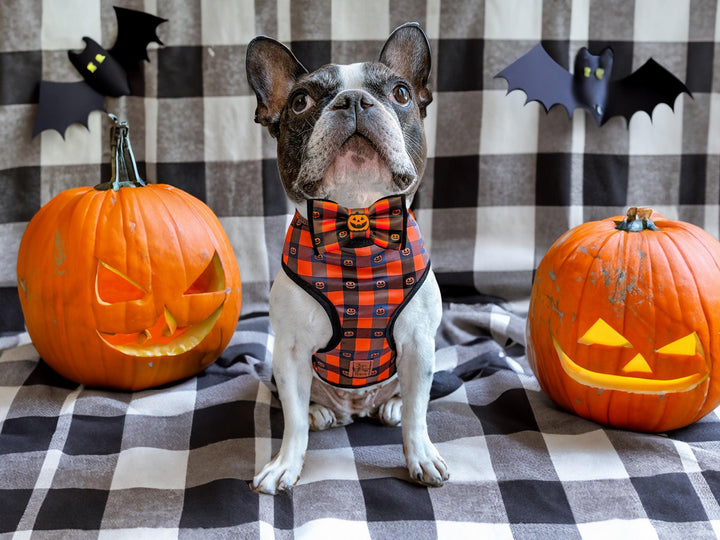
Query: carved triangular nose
[637,365]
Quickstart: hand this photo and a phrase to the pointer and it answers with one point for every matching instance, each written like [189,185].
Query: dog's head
[350,133]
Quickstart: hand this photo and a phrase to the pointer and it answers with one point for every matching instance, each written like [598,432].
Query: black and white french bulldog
[351,152]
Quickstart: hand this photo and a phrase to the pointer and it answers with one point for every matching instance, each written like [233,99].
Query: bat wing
[643,90]
[542,79]
[61,104]
[136,30]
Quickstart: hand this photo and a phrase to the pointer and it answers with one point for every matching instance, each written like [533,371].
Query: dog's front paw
[281,474]
[425,464]
[321,418]
[390,412]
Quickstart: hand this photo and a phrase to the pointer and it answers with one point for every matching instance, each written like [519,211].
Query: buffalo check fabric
[176,462]
[503,180]
[363,290]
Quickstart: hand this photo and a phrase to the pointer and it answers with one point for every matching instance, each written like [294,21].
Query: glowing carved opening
[112,286]
[688,346]
[212,278]
[637,365]
[601,333]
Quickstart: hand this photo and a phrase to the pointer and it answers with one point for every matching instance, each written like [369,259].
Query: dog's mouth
[362,166]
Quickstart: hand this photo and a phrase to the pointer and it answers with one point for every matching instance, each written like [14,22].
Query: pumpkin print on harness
[624,322]
[363,266]
[127,285]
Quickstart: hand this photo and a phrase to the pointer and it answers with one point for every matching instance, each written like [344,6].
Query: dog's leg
[293,376]
[415,340]
[294,345]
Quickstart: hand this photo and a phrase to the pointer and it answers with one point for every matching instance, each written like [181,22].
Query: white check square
[584,457]
[155,468]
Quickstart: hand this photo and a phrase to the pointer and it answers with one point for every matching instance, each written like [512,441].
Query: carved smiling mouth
[637,385]
[154,343]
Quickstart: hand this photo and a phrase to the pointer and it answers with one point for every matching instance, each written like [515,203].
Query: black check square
[459,187]
[391,499]
[12,507]
[11,317]
[700,58]
[693,178]
[510,413]
[44,375]
[312,54]
[20,72]
[460,65]
[536,501]
[27,434]
[188,176]
[660,495]
[180,72]
[605,179]
[272,189]
[21,193]
[222,422]
[98,435]
[697,432]
[552,179]
[367,432]
[72,508]
[222,503]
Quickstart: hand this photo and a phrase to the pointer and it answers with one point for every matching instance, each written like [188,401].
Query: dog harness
[362,266]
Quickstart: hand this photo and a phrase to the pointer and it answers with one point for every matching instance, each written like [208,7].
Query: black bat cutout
[105,73]
[591,88]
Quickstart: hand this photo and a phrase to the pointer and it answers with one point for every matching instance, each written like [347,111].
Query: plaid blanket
[503,180]
[176,462]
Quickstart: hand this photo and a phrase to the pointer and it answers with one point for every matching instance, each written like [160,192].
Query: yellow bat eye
[99,58]
[91,67]
[599,74]
[587,71]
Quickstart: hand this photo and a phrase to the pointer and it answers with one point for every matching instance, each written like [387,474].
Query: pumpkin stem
[124,172]
[638,219]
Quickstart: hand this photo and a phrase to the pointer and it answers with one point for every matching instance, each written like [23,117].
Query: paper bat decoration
[591,87]
[105,73]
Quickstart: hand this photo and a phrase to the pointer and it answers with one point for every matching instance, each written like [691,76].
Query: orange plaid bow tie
[333,226]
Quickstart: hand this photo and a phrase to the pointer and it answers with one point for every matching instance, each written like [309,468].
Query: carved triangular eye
[686,346]
[212,278]
[112,286]
[601,333]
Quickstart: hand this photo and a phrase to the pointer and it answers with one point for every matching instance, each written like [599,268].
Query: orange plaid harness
[363,271]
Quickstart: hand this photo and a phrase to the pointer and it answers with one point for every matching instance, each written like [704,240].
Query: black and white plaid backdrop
[503,181]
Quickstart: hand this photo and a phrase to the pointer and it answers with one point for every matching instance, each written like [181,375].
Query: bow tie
[333,226]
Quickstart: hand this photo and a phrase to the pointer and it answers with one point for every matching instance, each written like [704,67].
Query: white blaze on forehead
[352,76]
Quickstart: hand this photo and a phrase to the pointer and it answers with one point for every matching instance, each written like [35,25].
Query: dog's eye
[301,103]
[400,95]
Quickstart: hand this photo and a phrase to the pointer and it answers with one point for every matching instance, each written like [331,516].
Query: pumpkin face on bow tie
[358,222]
[624,322]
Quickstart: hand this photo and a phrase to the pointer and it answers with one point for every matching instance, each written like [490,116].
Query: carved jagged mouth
[143,344]
[637,385]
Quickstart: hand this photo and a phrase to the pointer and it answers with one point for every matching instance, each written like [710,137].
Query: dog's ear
[407,52]
[272,70]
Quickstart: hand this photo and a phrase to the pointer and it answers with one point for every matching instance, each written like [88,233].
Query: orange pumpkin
[128,288]
[624,322]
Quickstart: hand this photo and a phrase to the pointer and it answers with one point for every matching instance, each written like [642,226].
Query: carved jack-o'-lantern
[127,286]
[624,322]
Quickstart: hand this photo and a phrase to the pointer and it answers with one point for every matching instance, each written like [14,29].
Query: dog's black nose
[354,101]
